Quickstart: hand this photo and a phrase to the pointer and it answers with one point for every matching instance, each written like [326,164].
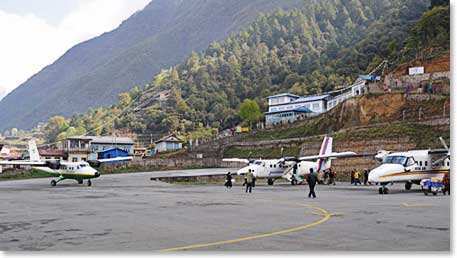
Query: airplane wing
[115,159]
[22,162]
[189,173]
[438,151]
[236,160]
[346,154]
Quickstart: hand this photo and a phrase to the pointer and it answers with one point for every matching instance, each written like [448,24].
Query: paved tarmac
[130,212]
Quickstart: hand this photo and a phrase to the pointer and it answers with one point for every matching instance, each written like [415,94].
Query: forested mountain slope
[93,73]
[305,51]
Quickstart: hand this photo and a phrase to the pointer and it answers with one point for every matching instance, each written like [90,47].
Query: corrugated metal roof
[283,94]
[310,98]
[104,139]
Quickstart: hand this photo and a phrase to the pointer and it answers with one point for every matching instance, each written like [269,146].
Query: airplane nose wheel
[89,183]
[383,190]
[53,183]
[270,181]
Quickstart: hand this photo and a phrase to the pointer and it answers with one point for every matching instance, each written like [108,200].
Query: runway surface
[131,212]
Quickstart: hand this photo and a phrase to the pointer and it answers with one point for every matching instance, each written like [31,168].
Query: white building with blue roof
[287,108]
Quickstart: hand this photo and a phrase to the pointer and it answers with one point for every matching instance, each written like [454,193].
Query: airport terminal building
[287,108]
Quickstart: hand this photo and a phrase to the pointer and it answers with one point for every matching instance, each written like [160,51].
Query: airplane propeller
[448,155]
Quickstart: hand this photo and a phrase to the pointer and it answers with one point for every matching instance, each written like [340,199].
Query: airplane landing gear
[53,183]
[80,181]
[89,183]
[408,185]
[270,181]
[383,189]
[294,181]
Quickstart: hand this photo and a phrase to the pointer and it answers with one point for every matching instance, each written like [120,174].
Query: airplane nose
[97,174]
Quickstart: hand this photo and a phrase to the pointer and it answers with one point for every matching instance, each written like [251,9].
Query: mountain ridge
[94,72]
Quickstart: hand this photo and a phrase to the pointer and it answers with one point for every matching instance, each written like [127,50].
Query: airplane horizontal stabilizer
[23,163]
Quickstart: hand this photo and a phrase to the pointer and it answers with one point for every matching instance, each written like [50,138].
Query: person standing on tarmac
[312,179]
[357,178]
[365,177]
[228,178]
[331,176]
[249,181]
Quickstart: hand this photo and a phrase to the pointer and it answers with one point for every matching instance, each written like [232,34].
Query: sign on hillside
[416,70]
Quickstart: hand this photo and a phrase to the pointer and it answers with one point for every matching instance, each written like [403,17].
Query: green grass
[23,175]
[425,136]
[30,174]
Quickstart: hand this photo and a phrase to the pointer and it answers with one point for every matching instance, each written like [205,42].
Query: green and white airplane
[78,171]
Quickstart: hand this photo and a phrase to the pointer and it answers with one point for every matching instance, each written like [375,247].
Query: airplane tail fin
[326,149]
[33,151]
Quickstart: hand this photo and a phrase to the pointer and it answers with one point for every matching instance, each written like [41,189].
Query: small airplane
[78,171]
[410,167]
[292,168]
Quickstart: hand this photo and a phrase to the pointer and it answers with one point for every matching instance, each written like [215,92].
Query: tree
[55,126]
[124,99]
[250,112]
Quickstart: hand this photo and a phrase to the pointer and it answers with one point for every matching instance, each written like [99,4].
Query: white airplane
[410,167]
[78,171]
[292,168]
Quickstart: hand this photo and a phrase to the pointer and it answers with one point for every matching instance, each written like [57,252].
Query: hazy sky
[34,33]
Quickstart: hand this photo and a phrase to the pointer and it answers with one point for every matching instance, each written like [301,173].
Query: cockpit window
[258,162]
[395,160]
[411,162]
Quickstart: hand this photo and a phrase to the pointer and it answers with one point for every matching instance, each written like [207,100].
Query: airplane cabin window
[420,163]
[271,166]
[426,163]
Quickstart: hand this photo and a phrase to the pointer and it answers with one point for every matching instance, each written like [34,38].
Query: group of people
[249,181]
[312,179]
[356,177]
[422,88]
[329,177]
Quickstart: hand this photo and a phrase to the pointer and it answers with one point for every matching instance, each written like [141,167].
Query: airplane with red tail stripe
[293,169]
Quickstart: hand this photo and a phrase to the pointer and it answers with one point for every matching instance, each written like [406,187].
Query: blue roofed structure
[112,153]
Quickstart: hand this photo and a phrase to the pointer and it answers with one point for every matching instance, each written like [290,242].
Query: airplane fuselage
[411,166]
[71,170]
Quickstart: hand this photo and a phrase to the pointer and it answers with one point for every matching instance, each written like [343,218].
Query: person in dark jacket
[312,179]
[228,180]
[365,177]
[331,176]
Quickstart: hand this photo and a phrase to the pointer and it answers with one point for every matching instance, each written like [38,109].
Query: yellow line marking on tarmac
[406,204]
[322,212]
